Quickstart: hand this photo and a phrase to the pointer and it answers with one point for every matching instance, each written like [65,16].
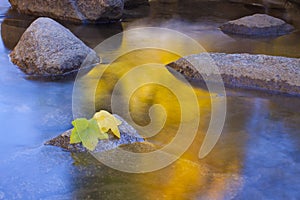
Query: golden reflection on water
[156,92]
[189,180]
[189,176]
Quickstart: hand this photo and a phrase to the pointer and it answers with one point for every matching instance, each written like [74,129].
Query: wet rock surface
[257,25]
[74,10]
[270,73]
[47,49]
[128,136]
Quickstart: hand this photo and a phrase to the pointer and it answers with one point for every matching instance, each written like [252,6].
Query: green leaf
[87,132]
[103,136]
[74,137]
[80,124]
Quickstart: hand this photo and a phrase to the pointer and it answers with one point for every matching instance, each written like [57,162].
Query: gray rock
[72,10]
[262,72]
[128,136]
[48,49]
[257,25]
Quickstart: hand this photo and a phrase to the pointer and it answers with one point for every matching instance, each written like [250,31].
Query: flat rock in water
[257,25]
[48,49]
[270,73]
[130,140]
[72,10]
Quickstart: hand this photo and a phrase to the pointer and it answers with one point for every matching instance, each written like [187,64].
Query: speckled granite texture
[262,72]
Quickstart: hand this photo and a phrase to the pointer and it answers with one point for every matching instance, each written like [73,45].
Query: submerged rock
[128,136]
[135,3]
[257,25]
[271,73]
[74,10]
[92,35]
[136,12]
[263,4]
[295,1]
[48,49]
[12,31]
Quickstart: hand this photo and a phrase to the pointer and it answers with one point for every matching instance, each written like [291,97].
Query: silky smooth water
[257,156]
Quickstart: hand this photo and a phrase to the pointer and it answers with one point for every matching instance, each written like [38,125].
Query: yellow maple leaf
[107,121]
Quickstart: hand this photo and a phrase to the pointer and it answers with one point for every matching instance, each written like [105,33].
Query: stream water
[257,156]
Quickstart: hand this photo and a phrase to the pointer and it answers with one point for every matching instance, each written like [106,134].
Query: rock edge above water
[261,72]
[130,140]
[257,25]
